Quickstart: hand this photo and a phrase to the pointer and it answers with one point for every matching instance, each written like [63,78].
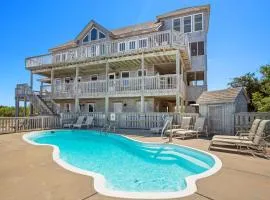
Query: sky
[238,37]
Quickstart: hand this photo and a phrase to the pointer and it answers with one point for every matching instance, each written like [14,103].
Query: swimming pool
[123,167]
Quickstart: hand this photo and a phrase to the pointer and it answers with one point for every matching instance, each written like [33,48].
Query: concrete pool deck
[28,172]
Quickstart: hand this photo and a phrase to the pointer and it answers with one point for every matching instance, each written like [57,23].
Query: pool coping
[99,180]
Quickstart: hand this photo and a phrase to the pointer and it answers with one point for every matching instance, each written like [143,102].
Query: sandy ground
[28,172]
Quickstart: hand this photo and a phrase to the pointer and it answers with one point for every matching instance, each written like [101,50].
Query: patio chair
[185,125]
[79,121]
[88,122]
[242,135]
[251,146]
[198,128]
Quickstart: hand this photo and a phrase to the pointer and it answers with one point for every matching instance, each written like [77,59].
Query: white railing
[18,124]
[130,120]
[105,48]
[153,85]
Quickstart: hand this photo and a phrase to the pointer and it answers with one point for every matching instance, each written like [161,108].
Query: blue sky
[238,39]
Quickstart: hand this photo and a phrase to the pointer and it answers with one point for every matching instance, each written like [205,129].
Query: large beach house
[157,66]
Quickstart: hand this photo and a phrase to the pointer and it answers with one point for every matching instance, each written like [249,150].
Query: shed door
[216,119]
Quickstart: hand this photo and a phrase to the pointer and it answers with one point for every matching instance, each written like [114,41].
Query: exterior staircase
[42,104]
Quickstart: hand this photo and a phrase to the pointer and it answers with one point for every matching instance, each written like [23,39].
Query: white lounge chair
[242,135]
[198,128]
[79,121]
[185,125]
[88,122]
[257,144]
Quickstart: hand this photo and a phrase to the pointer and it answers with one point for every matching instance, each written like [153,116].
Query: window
[67,80]
[101,35]
[187,24]
[200,48]
[197,48]
[140,72]
[198,22]
[94,34]
[122,46]
[85,39]
[57,57]
[142,43]
[125,74]
[93,50]
[91,107]
[176,24]
[132,45]
[64,56]
[93,77]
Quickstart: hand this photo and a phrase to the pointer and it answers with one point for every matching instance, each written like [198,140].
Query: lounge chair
[166,124]
[243,135]
[88,122]
[198,128]
[257,144]
[79,121]
[185,125]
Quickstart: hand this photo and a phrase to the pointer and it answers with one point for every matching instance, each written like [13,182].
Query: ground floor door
[216,119]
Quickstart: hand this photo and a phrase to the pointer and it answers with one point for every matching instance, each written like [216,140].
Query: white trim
[194,22]
[99,180]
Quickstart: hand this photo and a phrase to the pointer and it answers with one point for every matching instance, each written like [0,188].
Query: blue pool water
[128,165]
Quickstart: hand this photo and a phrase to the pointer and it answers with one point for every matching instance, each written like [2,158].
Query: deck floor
[28,172]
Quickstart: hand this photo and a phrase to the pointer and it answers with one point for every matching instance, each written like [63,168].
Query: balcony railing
[106,48]
[153,85]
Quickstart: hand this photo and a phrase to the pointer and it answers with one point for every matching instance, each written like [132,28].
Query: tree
[250,82]
[9,111]
[261,98]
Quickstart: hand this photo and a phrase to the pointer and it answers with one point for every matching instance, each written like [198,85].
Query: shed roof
[221,96]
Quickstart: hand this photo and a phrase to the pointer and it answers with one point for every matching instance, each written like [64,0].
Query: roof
[137,28]
[221,96]
[132,30]
[184,11]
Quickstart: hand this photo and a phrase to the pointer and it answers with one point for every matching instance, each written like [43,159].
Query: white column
[106,96]
[177,96]
[17,106]
[52,82]
[77,107]
[142,89]
[32,87]
[25,101]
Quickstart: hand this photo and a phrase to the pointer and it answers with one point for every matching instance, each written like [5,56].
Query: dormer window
[198,22]
[94,35]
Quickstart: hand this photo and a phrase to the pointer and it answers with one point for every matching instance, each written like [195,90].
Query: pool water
[128,165]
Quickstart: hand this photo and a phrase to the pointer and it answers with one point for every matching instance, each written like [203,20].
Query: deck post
[52,81]
[106,93]
[17,106]
[142,89]
[41,88]
[31,86]
[25,106]
[77,107]
[177,63]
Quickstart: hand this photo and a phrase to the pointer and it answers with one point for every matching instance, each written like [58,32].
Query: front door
[216,119]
